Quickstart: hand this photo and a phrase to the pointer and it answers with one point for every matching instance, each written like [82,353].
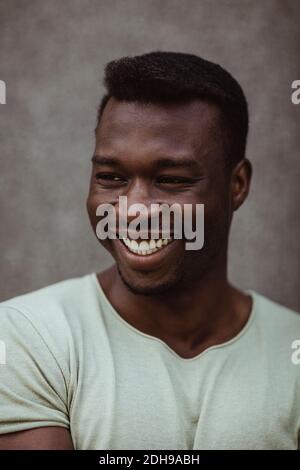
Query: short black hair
[174,77]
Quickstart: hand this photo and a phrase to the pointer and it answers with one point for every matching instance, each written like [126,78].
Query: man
[159,351]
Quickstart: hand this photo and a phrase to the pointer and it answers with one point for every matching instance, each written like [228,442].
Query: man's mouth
[145,247]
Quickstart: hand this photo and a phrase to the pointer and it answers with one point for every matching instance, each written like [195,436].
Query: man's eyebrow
[176,162]
[104,160]
[160,163]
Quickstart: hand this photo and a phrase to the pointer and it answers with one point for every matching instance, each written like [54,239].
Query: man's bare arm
[47,438]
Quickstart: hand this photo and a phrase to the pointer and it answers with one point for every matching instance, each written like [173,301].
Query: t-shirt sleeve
[33,390]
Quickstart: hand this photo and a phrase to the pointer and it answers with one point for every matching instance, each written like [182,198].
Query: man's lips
[146,247]
[136,259]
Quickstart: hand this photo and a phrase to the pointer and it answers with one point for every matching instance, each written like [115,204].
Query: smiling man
[159,351]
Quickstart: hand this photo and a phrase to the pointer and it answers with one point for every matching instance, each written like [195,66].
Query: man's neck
[208,313]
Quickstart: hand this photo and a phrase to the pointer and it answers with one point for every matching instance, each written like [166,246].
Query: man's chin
[139,287]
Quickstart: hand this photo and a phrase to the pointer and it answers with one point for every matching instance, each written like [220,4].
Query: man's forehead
[191,114]
[186,127]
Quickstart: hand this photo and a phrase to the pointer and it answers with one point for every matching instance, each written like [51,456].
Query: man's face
[163,154]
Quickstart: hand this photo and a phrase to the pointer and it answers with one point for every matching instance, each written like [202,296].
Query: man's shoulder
[278,323]
[51,306]
[274,311]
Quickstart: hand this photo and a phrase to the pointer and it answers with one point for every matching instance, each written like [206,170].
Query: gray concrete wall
[52,56]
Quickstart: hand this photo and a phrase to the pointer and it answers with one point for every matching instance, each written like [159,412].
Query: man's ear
[240,183]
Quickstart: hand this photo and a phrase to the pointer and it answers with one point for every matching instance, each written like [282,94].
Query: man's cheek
[92,205]
[194,226]
[106,244]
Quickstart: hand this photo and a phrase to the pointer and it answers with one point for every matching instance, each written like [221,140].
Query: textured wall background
[52,56]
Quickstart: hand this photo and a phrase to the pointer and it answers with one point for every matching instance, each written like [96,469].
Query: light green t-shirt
[72,361]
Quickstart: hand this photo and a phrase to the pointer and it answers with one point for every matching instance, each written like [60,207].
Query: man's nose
[137,200]
[138,191]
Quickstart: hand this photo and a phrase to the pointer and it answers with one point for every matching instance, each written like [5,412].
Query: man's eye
[172,180]
[109,178]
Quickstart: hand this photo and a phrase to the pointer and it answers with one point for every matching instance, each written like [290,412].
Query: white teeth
[145,248]
[126,241]
[152,244]
[159,243]
[133,245]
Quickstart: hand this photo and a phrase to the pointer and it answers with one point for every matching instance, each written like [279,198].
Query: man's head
[171,128]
